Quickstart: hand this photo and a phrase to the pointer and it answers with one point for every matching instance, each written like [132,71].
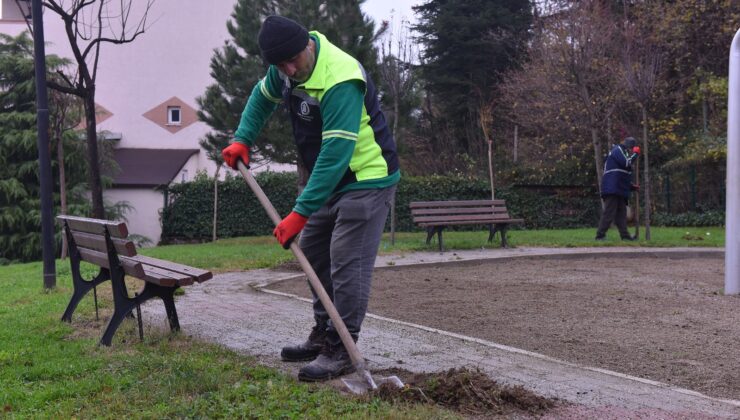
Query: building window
[174,116]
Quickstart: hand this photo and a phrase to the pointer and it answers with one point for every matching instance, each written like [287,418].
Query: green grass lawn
[260,252]
[53,369]
[50,369]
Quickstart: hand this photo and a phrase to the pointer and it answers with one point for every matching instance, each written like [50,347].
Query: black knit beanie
[281,39]
[630,142]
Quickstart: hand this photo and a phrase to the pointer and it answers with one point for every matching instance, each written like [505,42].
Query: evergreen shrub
[706,218]
[189,213]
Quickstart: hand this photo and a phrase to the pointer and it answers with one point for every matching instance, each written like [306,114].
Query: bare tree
[64,117]
[398,55]
[89,24]
[485,118]
[586,38]
[641,69]
[567,89]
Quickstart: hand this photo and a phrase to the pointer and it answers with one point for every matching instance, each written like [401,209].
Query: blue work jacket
[617,179]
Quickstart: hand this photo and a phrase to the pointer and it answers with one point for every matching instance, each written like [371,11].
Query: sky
[381,10]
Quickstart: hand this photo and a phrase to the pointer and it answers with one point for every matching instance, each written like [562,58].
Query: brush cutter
[366,380]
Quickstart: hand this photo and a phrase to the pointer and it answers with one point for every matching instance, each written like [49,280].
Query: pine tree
[468,47]
[237,66]
[20,203]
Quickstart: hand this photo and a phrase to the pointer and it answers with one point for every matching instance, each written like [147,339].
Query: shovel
[366,380]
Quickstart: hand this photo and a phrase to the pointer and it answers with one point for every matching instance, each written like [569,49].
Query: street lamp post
[42,124]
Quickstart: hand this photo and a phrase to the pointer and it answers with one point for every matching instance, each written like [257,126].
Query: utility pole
[732,221]
[42,124]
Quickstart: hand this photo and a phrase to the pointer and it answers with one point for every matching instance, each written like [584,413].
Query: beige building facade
[146,96]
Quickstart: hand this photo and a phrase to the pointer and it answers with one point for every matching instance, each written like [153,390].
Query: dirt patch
[290,265]
[470,392]
[653,317]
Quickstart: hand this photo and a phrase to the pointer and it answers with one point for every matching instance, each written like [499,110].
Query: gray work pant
[341,242]
[615,210]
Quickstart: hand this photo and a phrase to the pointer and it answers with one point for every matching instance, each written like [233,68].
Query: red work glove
[635,187]
[636,150]
[234,152]
[289,228]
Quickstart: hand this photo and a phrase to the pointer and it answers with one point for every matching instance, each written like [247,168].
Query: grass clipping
[462,390]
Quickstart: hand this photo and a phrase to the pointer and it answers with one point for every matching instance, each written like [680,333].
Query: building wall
[168,64]
[143,218]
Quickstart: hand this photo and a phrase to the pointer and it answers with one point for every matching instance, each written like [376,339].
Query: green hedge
[707,218]
[189,213]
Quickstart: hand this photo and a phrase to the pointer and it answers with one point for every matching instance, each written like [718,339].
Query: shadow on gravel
[469,392]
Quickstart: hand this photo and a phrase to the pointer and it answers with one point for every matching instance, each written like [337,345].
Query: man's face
[300,67]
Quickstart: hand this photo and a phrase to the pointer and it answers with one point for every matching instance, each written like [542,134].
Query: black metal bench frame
[116,272]
[434,216]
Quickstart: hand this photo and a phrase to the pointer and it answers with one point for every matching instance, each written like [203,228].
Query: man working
[616,186]
[343,140]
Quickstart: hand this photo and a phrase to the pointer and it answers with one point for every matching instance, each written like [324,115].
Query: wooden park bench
[104,243]
[434,216]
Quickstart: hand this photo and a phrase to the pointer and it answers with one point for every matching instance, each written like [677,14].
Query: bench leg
[167,294]
[504,244]
[430,234]
[168,297]
[492,229]
[81,287]
[124,305]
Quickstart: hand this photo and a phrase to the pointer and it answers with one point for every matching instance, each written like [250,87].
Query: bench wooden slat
[163,277]
[471,222]
[466,210]
[97,243]
[132,268]
[494,218]
[84,224]
[461,203]
[197,273]
[482,219]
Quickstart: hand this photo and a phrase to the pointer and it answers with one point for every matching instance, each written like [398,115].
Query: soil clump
[469,392]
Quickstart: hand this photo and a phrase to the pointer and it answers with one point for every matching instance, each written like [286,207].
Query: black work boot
[333,361]
[309,349]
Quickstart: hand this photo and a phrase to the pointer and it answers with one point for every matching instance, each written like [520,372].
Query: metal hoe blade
[361,386]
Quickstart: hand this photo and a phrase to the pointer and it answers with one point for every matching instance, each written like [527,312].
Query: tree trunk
[62,190]
[597,157]
[93,160]
[398,143]
[647,171]
[637,199]
[215,203]
[490,168]
[704,113]
[516,142]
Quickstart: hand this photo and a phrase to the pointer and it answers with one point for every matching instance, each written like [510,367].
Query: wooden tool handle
[357,360]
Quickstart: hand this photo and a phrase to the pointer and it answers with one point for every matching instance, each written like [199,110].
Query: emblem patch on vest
[304,112]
